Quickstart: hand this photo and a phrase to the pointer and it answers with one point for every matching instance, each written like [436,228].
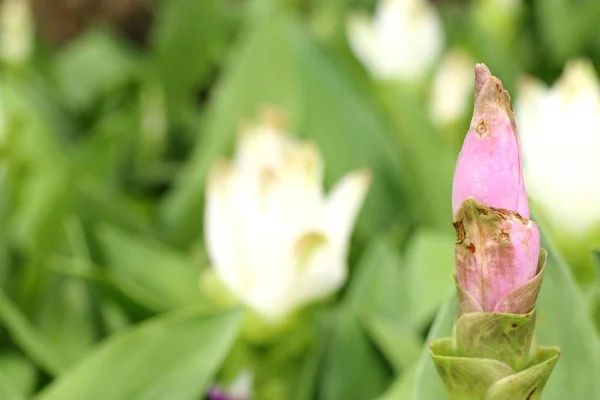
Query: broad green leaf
[309,374]
[353,369]
[67,317]
[429,263]
[563,320]
[17,374]
[188,38]
[371,313]
[402,388]
[429,163]
[170,357]
[41,184]
[8,391]
[401,345]
[378,283]
[29,339]
[380,296]
[152,274]
[277,64]
[564,27]
[90,67]
[427,384]
[37,162]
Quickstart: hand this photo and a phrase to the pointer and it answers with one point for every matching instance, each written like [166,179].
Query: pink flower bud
[489,165]
[496,252]
[497,247]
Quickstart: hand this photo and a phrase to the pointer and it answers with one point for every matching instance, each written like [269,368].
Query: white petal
[343,205]
[452,87]
[324,274]
[220,228]
[363,40]
[241,387]
[401,41]
[16,30]
[560,141]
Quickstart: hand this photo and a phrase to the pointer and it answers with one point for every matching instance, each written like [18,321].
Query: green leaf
[563,321]
[402,387]
[187,40]
[309,373]
[400,345]
[90,67]
[427,384]
[429,164]
[17,376]
[278,64]
[564,26]
[152,274]
[66,318]
[29,339]
[352,369]
[170,357]
[430,263]
[7,390]
[379,296]
[371,313]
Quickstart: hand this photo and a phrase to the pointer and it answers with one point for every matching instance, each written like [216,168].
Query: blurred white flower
[400,42]
[272,235]
[560,135]
[239,389]
[16,31]
[452,88]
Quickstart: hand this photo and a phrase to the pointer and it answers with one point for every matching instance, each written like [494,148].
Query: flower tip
[363,179]
[219,173]
[273,118]
[482,75]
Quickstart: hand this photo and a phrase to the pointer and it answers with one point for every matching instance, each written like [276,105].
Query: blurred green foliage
[103,164]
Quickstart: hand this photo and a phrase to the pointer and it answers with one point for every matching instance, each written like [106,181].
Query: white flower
[452,88]
[401,41]
[560,135]
[16,31]
[239,389]
[272,235]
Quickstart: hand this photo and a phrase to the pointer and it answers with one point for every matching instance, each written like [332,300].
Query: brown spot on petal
[482,211]
[509,214]
[504,236]
[471,247]
[481,128]
[460,231]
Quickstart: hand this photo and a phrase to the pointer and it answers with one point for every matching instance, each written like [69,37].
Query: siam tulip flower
[400,42]
[274,238]
[451,88]
[499,264]
[563,123]
[16,31]
[498,246]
